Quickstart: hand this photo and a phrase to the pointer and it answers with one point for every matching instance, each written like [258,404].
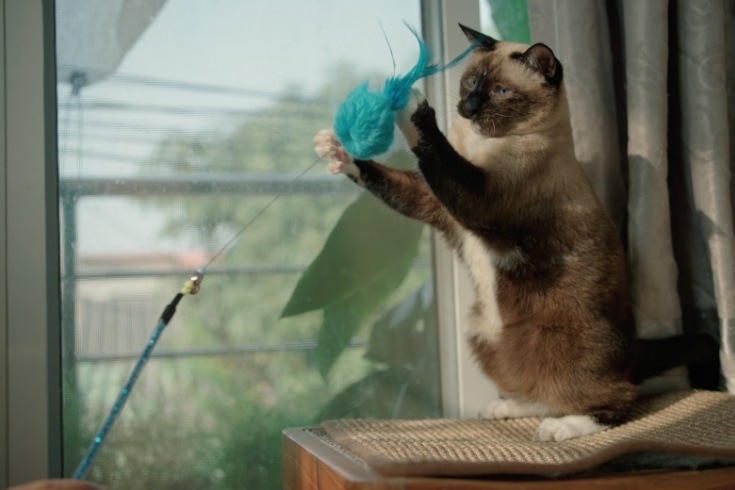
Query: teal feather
[398,89]
[365,119]
[364,123]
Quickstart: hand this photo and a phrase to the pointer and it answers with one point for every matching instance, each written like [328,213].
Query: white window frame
[30,379]
[465,390]
[30,401]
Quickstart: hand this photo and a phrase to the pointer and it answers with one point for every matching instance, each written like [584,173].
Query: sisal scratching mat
[691,423]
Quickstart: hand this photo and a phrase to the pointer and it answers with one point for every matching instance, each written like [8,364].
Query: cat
[552,322]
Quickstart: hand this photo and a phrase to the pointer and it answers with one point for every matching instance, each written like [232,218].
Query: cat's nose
[472,104]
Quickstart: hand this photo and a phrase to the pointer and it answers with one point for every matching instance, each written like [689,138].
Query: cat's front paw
[404,118]
[567,427]
[330,149]
[497,409]
[510,408]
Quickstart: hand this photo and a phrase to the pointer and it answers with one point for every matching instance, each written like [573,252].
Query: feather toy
[365,119]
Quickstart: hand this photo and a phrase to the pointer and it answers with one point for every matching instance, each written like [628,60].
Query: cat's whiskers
[491,118]
[452,108]
[484,123]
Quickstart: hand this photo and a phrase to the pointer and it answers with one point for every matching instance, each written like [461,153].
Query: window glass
[180,122]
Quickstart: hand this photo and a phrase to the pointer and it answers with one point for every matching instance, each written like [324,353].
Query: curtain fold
[677,122]
[653,270]
[595,131]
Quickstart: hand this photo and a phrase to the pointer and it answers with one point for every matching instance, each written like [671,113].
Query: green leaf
[365,258]
[400,338]
[344,318]
[511,19]
[368,240]
[383,394]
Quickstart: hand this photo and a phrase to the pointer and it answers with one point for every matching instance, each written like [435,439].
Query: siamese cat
[552,322]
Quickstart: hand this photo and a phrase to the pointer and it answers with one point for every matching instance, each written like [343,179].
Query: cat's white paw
[567,427]
[403,118]
[509,408]
[330,149]
[498,409]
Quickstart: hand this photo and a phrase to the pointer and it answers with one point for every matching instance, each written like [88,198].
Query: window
[170,136]
[180,122]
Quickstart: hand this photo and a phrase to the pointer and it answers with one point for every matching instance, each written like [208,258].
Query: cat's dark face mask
[507,86]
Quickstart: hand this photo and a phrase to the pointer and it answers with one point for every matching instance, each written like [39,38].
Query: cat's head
[509,88]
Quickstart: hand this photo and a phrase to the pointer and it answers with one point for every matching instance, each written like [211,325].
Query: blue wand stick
[190,287]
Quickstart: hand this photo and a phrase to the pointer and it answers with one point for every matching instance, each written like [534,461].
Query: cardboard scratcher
[690,423]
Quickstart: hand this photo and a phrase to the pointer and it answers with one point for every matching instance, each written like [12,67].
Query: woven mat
[691,423]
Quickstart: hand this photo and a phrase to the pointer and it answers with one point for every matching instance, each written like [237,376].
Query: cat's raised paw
[567,427]
[330,149]
[403,118]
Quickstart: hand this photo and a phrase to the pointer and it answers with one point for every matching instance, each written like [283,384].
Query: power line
[199,87]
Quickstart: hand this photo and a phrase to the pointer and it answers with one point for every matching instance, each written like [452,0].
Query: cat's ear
[484,42]
[542,59]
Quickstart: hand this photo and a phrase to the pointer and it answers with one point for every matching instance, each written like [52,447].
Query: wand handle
[86,463]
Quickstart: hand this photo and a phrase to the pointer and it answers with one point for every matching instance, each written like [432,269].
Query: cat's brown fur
[552,322]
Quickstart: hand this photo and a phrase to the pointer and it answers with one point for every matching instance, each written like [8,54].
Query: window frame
[465,389]
[30,390]
[30,300]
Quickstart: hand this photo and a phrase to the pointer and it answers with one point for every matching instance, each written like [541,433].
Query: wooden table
[310,463]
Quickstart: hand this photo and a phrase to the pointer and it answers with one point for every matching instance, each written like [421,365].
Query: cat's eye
[502,91]
[471,82]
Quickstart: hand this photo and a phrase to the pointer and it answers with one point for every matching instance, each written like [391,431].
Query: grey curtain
[651,85]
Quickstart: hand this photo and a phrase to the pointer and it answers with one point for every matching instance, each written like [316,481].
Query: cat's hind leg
[510,409]
[552,428]
[613,400]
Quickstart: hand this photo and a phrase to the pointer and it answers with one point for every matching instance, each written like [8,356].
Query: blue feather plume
[365,119]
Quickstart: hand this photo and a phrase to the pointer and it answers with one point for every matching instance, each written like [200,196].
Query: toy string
[259,213]
[190,287]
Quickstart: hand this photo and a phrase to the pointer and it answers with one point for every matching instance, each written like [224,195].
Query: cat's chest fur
[485,320]
[466,139]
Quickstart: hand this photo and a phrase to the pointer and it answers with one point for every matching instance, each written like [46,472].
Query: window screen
[180,122]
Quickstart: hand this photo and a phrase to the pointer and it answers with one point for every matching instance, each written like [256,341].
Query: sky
[270,44]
